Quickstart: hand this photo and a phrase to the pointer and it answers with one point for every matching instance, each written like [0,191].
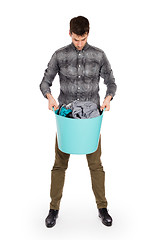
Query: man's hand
[51,102]
[106,103]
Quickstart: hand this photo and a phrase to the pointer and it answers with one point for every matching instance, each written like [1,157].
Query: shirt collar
[84,48]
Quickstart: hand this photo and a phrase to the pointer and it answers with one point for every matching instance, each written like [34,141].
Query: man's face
[79,41]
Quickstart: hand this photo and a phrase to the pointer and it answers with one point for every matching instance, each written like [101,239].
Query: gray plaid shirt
[79,73]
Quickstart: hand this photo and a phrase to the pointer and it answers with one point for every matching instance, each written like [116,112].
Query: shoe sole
[49,225]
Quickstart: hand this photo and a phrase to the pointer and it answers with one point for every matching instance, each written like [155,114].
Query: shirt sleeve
[107,74]
[49,75]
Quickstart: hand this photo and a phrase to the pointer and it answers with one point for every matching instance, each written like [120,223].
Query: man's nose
[79,44]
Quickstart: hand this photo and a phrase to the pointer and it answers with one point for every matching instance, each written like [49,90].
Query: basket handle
[53,109]
[104,109]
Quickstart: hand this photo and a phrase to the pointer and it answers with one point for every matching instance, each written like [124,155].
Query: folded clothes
[79,109]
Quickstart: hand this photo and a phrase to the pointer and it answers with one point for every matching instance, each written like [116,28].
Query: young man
[80,67]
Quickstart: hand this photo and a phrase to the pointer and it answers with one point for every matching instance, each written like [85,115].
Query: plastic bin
[78,136]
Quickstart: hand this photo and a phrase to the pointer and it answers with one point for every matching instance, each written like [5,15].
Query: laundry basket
[78,136]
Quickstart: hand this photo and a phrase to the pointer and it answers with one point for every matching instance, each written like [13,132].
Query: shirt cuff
[46,93]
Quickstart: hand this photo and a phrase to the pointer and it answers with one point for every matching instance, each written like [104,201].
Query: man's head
[79,31]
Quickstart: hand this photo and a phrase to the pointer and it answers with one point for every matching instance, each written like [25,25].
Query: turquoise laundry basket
[78,136]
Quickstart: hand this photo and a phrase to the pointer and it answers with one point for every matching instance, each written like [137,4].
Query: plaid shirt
[79,73]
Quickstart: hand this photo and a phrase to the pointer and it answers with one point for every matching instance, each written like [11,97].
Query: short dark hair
[79,25]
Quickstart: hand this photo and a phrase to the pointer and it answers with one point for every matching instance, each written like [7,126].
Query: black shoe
[105,217]
[50,221]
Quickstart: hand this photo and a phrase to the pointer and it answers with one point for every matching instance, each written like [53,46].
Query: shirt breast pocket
[69,71]
[91,70]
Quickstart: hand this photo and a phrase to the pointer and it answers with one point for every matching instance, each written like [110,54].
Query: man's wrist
[108,98]
[48,95]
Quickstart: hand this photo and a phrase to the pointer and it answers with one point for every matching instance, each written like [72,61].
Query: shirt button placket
[79,75]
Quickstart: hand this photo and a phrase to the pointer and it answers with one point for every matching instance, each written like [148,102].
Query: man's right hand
[51,102]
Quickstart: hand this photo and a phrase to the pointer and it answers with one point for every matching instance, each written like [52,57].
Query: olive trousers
[58,176]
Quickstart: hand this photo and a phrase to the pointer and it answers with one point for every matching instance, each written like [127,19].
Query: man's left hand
[106,103]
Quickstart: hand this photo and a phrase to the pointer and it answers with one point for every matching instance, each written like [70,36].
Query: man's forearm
[49,96]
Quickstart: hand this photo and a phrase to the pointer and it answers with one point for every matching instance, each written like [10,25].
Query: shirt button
[78,87]
[78,99]
[79,66]
[79,76]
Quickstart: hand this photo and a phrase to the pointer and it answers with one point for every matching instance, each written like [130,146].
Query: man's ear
[69,33]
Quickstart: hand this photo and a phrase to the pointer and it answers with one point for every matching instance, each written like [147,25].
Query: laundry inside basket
[79,110]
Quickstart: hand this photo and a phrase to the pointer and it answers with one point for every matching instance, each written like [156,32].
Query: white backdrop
[30,32]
